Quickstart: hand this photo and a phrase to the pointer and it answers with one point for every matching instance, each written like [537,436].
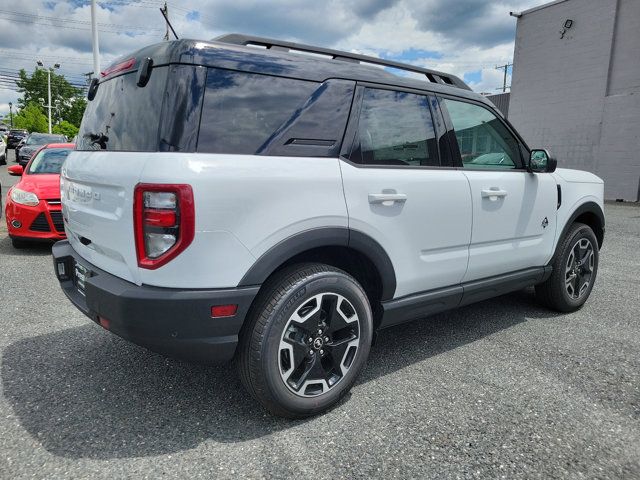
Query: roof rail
[433,76]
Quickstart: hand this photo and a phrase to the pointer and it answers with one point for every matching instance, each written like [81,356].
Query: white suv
[280,203]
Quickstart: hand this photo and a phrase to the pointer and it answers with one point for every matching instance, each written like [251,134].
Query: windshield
[42,138]
[49,160]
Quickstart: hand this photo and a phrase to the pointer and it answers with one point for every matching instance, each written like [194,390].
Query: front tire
[18,243]
[306,340]
[575,267]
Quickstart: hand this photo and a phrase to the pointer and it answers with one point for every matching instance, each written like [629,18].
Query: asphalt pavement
[501,389]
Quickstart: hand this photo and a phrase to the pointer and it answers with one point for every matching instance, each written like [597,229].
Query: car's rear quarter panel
[244,205]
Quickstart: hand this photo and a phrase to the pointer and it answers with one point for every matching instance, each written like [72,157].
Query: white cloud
[468,35]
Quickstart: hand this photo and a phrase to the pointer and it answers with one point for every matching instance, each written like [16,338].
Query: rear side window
[242,111]
[395,128]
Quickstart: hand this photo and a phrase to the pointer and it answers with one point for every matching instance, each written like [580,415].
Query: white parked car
[231,201]
[3,151]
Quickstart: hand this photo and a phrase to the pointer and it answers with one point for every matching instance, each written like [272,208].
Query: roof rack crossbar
[432,75]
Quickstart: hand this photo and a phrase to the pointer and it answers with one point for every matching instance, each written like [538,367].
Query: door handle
[387,199]
[493,192]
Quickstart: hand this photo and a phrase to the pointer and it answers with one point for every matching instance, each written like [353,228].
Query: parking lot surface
[501,389]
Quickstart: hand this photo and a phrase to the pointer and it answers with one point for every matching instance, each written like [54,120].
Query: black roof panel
[284,63]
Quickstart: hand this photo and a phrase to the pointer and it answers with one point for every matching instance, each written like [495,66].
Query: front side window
[48,161]
[242,111]
[484,141]
[395,128]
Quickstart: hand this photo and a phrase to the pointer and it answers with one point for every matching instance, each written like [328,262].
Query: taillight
[119,67]
[164,222]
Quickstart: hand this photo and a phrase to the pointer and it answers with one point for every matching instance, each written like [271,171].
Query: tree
[65,128]
[68,101]
[31,118]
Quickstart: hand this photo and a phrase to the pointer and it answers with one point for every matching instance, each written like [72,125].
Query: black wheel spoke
[312,371]
[337,352]
[334,320]
[296,339]
[577,282]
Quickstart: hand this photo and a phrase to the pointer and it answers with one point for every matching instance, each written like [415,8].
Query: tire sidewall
[325,282]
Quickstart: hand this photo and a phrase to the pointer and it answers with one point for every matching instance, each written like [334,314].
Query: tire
[17,243]
[285,362]
[572,279]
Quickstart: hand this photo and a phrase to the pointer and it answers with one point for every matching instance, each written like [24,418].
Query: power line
[77,22]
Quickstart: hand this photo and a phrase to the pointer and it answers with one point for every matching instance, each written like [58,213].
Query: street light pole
[94,41]
[49,96]
[49,70]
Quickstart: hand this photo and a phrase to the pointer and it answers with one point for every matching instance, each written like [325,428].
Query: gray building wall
[501,101]
[578,94]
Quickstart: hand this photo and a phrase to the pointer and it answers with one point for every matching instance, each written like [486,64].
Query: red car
[33,211]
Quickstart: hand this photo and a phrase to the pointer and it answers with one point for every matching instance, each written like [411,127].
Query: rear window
[42,138]
[48,161]
[242,111]
[123,116]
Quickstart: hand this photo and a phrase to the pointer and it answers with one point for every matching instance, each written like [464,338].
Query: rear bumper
[170,321]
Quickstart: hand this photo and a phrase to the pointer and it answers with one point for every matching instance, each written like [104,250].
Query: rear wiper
[99,139]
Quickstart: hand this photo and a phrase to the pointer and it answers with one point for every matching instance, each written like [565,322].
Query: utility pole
[505,68]
[11,113]
[94,41]
[165,12]
[49,70]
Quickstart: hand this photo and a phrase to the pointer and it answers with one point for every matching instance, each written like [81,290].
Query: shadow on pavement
[82,392]
[39,249]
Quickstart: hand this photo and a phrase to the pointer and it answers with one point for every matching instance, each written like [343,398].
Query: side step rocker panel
[420,305]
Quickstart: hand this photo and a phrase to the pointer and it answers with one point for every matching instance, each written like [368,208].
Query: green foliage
[65,128]
[68,101]
[75,112]
[31,118]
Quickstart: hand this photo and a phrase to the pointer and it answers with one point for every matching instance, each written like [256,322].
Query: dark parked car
[14,137]
[33,143]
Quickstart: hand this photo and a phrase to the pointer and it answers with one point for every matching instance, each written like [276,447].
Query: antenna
[164,13]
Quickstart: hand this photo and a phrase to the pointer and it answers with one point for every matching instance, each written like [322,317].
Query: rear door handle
[493,192]
[387,199]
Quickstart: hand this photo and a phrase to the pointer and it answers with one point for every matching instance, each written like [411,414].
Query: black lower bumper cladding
[176,322]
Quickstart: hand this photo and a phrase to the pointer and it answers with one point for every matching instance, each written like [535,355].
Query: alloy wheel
[318,344]
[579,268]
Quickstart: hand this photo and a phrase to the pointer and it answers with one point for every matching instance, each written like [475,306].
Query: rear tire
[306,340]
[575,266]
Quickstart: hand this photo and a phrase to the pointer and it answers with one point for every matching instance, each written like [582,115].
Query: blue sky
[464,37]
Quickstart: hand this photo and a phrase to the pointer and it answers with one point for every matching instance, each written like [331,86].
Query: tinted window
[48,161]
[484,141]
[42,138]
[242,111]
[395,128]
[123,116]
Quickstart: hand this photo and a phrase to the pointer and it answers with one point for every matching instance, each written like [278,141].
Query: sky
[468,38]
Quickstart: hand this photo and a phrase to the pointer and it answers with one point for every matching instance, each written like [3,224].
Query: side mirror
[15,170]
[540,161]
